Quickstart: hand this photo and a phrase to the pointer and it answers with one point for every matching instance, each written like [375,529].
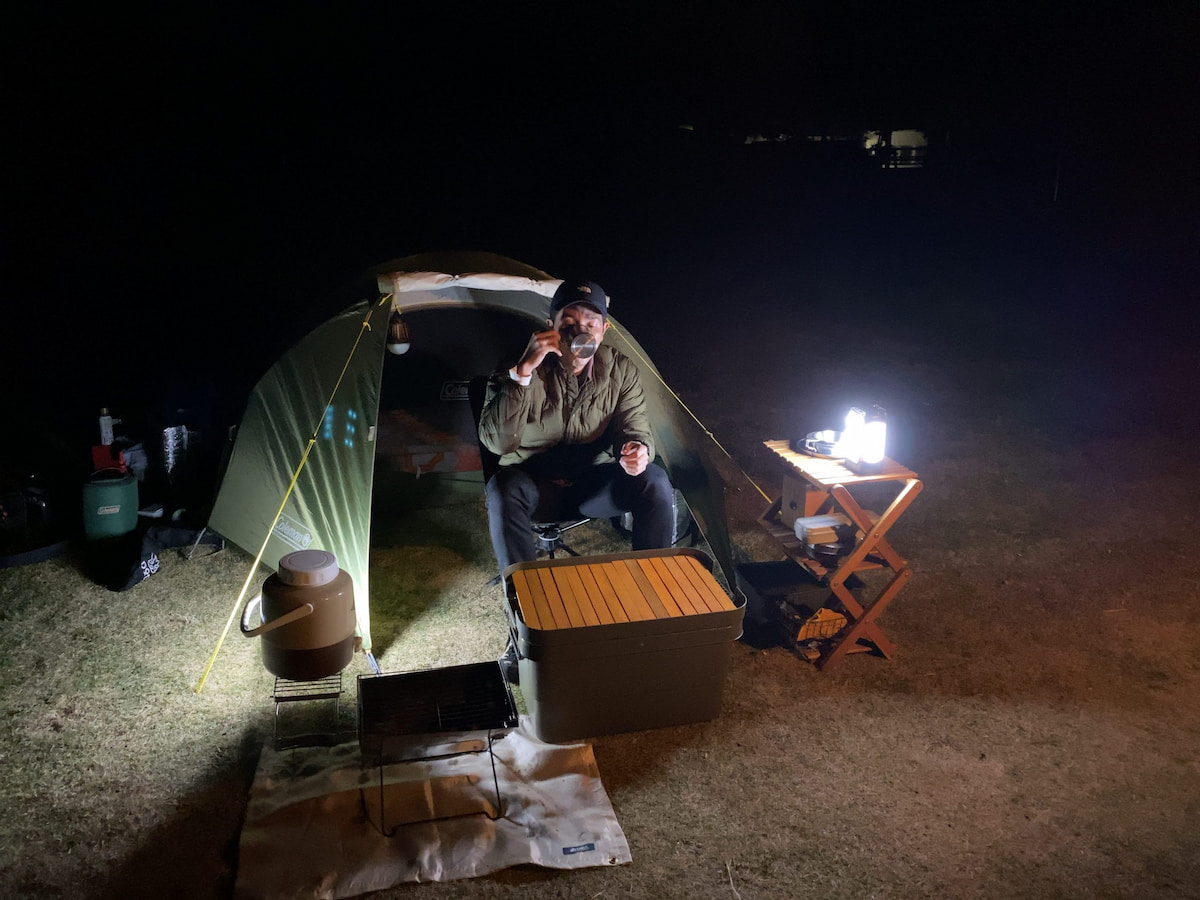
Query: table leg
[873,535]
[863,625]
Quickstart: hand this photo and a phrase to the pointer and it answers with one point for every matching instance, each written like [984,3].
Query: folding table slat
[698,579]
[599,590]
[541,605]
[567,592]
[711,591]
[582,596]
[525,600]
[647,589]
[628,592]
[680,587]
[661,589]
[554,600]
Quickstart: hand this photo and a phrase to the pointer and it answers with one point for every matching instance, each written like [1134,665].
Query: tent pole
[237,605]
[199,538]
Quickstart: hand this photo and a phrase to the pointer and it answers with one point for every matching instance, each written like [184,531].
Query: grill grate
[473,697]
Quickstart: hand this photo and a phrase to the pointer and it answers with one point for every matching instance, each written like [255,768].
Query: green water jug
[110,504]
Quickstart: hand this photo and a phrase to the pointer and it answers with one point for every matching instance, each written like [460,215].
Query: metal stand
[390,832]
[548,536]
[286,691]
[452,711]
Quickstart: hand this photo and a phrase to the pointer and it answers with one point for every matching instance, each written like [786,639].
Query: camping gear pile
[123,539]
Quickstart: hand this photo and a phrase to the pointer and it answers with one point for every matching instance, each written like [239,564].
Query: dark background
[187,190]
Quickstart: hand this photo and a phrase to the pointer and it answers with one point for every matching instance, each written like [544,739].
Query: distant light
[903,148]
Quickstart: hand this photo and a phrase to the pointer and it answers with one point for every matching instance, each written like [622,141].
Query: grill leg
[390,832]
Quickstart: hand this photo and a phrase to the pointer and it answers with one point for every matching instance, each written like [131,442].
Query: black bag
[121,562]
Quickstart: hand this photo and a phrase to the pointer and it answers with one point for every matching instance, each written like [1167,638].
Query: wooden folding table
[816,486]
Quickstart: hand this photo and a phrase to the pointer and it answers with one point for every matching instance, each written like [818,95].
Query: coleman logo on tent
[293,533]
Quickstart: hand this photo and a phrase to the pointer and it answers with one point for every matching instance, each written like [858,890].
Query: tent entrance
[430,556]
[426,448]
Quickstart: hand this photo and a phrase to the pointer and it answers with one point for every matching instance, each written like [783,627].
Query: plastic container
[106,427]
[110,504]
[586,680]
[307,619]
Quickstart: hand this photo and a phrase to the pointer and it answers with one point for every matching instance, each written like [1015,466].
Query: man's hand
[541,344]
[634,457]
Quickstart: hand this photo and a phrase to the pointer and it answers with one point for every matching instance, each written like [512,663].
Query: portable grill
[399,713]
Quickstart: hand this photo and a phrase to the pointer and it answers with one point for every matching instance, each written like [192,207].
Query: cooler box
[110,504]
[620,642]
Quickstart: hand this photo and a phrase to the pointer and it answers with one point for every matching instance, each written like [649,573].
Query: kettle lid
[308,567]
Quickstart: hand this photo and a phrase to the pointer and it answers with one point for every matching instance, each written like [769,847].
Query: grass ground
[1036,734]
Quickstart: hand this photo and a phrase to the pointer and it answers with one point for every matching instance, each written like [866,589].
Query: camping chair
[547,536]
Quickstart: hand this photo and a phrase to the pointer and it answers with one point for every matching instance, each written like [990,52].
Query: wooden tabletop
[620,590]
[828,472]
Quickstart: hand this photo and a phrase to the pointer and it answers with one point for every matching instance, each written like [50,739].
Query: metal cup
[584,345]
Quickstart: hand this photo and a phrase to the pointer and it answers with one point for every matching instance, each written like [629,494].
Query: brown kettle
[306,617]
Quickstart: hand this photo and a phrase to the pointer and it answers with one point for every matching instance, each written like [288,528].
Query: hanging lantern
[398,341]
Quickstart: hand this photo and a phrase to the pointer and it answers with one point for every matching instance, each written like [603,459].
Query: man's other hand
[634,457]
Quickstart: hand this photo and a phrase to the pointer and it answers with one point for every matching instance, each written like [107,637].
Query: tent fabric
[408,282]
[295,402]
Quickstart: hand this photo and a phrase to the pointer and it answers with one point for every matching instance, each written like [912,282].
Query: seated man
[572,433]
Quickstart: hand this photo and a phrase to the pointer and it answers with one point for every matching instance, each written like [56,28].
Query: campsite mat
[312,822]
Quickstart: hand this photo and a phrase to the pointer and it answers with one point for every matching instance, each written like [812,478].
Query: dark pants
[517,498]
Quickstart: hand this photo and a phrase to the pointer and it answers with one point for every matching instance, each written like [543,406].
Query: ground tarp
[318,823]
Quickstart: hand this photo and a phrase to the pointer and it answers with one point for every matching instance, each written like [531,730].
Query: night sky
[183,187]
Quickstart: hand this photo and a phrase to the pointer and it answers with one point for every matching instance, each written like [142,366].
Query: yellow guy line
[366,326]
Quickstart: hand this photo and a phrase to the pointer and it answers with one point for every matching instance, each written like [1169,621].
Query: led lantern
[398,340]
[849,447]
[864,442]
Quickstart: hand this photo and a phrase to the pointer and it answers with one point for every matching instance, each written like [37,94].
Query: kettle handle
[291,615]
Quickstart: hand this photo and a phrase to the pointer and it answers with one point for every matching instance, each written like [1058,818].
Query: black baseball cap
[587,292]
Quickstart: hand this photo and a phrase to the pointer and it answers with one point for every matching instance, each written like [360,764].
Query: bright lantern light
[874,442]
[864,441]
[850,446]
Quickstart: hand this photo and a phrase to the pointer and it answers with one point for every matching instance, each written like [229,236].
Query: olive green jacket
[583,420]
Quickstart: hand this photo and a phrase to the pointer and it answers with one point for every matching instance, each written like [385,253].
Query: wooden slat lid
[609,591]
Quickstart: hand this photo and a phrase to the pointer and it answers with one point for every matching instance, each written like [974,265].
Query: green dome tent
[302,469]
